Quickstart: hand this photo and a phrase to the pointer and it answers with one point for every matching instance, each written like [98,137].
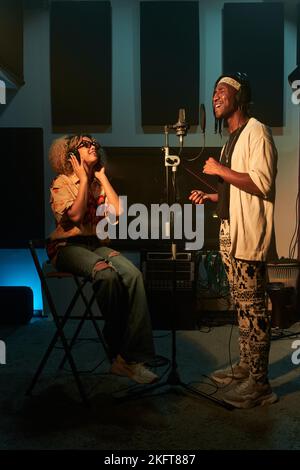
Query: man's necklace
[229,146]
[231,143]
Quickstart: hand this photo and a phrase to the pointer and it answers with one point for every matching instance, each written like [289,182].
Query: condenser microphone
[181,127]
[202,118]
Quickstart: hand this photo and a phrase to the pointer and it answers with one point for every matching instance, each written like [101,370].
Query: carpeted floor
[54,418]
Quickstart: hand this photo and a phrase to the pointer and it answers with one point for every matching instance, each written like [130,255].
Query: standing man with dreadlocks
[245,204]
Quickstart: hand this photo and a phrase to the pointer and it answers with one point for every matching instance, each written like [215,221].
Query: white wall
[31,106]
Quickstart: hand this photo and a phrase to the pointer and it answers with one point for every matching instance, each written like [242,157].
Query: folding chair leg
[59,330]
[75,336]
[88,312]
[59,333]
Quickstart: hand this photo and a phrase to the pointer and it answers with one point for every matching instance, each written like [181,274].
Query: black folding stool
[61,320]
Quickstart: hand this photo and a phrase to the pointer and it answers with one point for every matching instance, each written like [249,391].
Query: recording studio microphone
[181,125]
[202,118]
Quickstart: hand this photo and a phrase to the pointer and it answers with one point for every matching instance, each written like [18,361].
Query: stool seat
[58,275]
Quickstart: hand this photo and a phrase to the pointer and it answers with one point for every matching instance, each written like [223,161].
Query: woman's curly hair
[59,153]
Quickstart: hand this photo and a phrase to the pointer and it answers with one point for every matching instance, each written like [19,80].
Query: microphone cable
[202,180]
[203,127]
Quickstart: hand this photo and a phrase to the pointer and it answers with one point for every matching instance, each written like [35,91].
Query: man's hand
[212,167]
[198,197]
[240,180]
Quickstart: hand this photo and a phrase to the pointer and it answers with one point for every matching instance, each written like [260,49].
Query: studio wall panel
[22,186]
[11,40]
[123,164]
[253,42]
[298,34]
[169,59]
[80,52]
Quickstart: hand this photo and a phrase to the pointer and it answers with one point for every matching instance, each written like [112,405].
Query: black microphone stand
[173,379]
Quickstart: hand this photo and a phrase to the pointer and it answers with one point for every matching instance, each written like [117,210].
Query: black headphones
[74,151]
[243,95]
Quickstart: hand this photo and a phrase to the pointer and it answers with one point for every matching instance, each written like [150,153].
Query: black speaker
[16,305]
[172,304]
[283,305]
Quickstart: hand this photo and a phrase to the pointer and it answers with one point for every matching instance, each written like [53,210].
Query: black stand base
[173,379]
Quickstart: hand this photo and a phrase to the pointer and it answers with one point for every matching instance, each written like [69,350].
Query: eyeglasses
[88,144]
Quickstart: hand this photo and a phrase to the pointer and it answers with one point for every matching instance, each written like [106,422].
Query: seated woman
[80,187]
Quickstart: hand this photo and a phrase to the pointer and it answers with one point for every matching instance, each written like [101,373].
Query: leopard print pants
[247,281]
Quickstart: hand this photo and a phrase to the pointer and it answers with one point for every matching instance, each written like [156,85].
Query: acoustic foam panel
[22,186]
[123,164]
[169,59]
[253,43]
[80,38]
[298,34]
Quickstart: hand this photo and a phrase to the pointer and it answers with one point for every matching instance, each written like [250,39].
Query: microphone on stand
[181,127]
